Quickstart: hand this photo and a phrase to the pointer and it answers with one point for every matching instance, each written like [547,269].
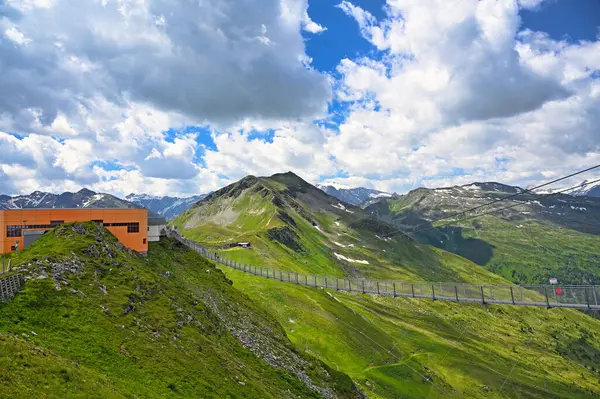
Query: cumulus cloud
[297,147]
[102,93]
[97,84]
[198,59]
[474,98]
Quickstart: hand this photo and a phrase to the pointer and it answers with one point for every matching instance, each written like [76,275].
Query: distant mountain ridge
[83,198]
[590,190]
[353,196]
[529,239]
[168,207]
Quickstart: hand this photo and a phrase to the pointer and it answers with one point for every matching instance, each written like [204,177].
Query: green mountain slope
[392,348]
[95,320]
[294,226]
[556,236]
[404,348]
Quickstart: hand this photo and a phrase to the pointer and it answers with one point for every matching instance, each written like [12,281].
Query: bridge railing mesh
[569,296]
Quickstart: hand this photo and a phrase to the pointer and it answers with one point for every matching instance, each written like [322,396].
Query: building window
[144,241]
[98,221]
[55,223]
[14,247]
[133,227]
[13,231]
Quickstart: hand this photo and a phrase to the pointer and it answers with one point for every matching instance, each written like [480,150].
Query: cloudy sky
[183,97]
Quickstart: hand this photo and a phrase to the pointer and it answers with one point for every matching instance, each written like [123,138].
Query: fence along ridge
[564,296]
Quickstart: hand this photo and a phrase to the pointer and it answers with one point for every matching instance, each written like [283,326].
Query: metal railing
[549,296]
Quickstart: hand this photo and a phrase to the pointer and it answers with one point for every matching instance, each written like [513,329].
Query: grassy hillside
[294,226]
[393,348]
[538,239]
[95,320]
[404,348]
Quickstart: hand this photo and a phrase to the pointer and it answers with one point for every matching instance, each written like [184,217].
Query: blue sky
[395,96]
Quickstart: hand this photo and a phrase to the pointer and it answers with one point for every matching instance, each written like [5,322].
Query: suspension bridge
[583,297]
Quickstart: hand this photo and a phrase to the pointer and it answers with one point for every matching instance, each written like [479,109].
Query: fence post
[326,282]
[433,291]
[547,302]
[482,296]
[412,287]
[363,286]
[512,295]
[314,280]
[261,270]
[378,288]
[456,292]
[350,285]
[394,289]
[306,280]
[337,284]
[297,279]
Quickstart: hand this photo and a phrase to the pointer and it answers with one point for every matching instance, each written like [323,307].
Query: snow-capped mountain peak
[168,207]
[590,190]
[334,184]
[353,196]
[82,199]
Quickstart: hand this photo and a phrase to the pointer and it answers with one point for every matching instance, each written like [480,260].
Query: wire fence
[10,286]
[549,296]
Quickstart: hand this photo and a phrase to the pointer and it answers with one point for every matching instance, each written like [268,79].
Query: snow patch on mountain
[342,257]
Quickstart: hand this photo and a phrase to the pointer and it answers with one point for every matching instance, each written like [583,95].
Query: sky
[182,98]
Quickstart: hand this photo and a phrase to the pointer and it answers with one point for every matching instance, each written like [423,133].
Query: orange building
[20,227]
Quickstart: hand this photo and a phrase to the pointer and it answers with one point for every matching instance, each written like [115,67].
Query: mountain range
[83,198]
[591,190]
[101,321]
[168,207]
[529,240]
[353,196]
[396,347]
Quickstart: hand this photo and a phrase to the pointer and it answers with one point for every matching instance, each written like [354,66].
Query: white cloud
[197,59]
[101,84]
[16,36]
[310,25]
[471,99]
[530,4]
[296,146]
